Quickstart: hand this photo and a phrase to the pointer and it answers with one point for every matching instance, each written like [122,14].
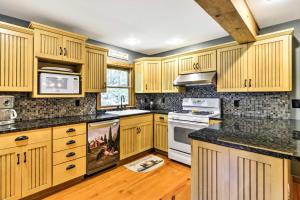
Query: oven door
[178,132]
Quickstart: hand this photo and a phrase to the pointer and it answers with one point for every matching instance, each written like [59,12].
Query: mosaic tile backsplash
[30,108]
[270,105]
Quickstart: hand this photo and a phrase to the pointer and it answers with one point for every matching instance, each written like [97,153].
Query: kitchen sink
[127,112]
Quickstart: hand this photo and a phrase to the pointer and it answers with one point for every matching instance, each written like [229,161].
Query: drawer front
[69,170]
[69,143]
[132,120]
[68,155]
[161,118]
[24,138]
[69,130]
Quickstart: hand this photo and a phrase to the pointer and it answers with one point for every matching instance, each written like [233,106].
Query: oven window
[181,135]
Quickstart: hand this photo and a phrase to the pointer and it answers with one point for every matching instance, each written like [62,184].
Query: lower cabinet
[228,174]
[161,132]
[136,135]
[25,165]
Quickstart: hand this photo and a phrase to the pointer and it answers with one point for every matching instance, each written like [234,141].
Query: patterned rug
[145,164]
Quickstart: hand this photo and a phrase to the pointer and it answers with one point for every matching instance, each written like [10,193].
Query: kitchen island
[244,158]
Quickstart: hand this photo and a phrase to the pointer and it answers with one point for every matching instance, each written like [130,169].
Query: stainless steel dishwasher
[103,145]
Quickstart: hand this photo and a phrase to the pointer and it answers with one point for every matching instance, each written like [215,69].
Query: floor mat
[145,164]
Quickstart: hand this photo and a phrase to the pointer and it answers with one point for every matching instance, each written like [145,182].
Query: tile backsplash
[270,105]
[30,108]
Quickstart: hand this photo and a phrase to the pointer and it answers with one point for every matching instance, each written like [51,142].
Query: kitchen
[136,106]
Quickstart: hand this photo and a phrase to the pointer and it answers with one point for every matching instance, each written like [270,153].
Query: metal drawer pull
[25,159]
[245,83]
[70,130]
[70,142]
[18,156]
[65,49]
[20,138]
[161,117]
[60,51]
[70,167]
[70,154]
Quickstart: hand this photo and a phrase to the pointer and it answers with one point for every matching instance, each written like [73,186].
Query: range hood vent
[203,78]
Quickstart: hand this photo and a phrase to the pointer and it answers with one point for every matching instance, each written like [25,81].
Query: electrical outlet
[77,103]
[236,103]
[163,100]
[296,103]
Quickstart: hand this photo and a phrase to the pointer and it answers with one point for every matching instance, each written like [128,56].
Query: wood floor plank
[170,180]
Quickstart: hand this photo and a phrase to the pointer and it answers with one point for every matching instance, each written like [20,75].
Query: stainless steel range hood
[203,78]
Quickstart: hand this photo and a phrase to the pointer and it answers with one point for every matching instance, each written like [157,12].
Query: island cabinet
[136,135]
[25,163]
[229,174]
[148,75]
[16,58]
[161,132]
[262,66]
[96,65]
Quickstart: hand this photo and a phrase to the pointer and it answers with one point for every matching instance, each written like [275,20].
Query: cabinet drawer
[69,130]
[24,138]
[69,170]
[68,155]
[69,143]
[138,119]
[161,118]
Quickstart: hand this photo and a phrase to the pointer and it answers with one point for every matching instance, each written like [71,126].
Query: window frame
[131,96]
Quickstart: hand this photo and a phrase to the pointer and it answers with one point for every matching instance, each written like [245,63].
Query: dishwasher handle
[103,124]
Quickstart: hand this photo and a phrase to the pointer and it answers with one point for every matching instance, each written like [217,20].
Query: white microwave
[59,84]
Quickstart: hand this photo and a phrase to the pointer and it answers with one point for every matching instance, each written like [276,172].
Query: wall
[276,105]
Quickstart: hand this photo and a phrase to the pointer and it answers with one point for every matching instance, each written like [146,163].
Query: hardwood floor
[171,181]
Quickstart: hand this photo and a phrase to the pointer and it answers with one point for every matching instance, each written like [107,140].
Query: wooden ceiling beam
[234,16]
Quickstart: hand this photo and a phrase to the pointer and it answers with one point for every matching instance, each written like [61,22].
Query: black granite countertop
[45,123]
[273,137]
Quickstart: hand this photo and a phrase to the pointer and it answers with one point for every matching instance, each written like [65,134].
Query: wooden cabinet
[262,66]
[204,61]
[25,163]
[224,173]
[16,58]
[270,65]
[232,69]
[210,171]
[161,132]
[96,64]
[136,135]
[169,72]
[69,152]
[148,75]
[55,44]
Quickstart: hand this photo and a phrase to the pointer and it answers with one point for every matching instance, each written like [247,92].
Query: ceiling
[144,26]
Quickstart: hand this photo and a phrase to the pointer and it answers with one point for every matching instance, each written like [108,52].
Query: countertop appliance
[103,145]
[7,113]
[51,83]
[194,116]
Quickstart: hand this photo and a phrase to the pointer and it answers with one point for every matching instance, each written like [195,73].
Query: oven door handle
[178,122]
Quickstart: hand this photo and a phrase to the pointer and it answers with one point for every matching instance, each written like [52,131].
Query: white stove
[194,116]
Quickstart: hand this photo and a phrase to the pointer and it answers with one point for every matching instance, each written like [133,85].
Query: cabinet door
[255,176]
[210,171]
[270,65]
[161,133]
[145,136]
[187,64]
[10,174]
[232,69]
[139,77]
[36,167]
[48,45]
[169,70]
[74,50]
[206,61]
[128,141]
[16,61]
[96,64]
[152,76]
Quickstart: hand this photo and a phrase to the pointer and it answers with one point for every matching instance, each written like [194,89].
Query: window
[117,86]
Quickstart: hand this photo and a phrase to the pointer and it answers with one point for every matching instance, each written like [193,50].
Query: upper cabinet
[204,61]
[169,72]
[59,45]
[262,66]
[148,75]
[96,64]
[16,58]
